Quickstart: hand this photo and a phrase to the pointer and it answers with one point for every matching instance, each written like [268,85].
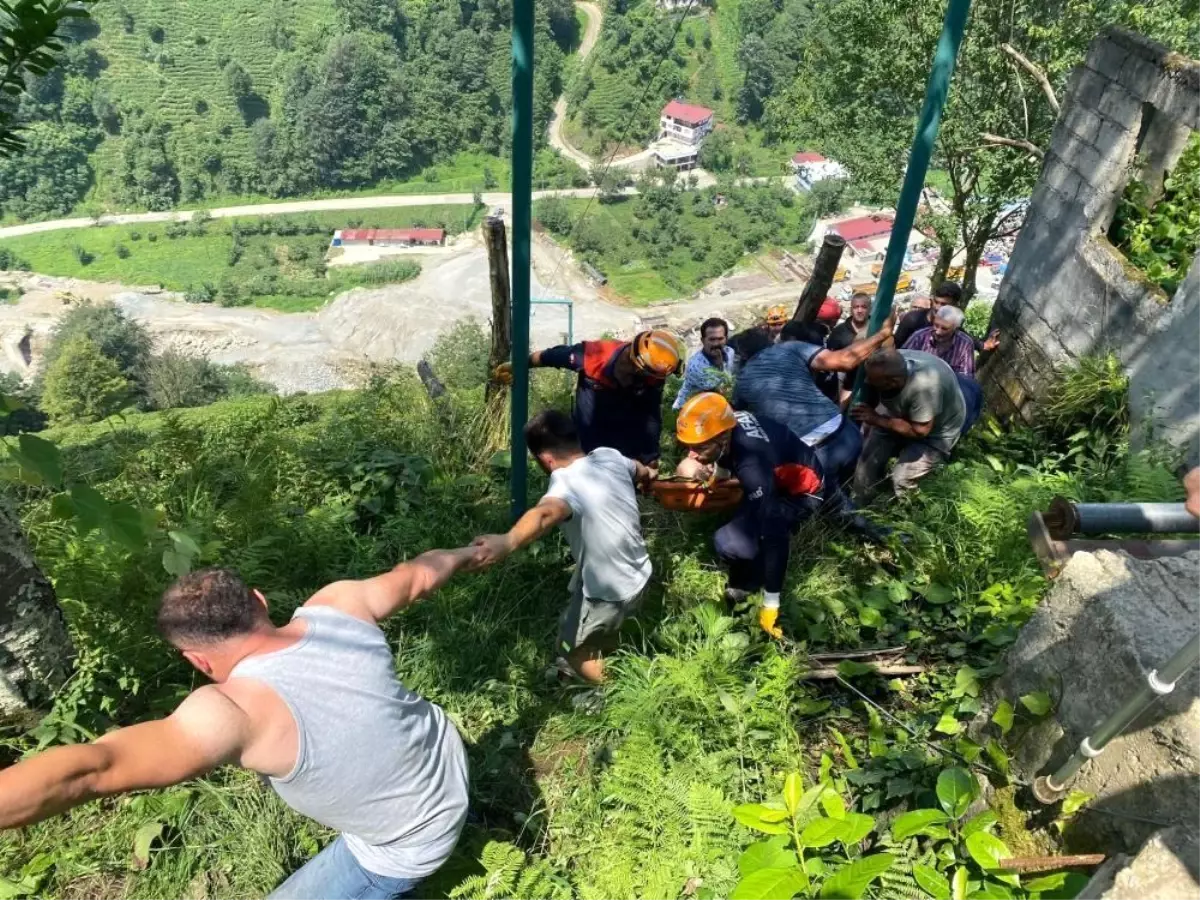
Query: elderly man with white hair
[946,340]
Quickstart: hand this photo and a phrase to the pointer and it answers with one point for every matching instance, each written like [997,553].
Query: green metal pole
[918,158]
[522,201]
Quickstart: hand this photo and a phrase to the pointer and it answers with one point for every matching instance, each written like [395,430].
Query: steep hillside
[162,103]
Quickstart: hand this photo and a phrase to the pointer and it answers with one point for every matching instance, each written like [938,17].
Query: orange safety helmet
[656,353]
[777,315]
[703,418]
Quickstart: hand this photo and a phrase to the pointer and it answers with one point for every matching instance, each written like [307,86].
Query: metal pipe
[1065,518]
[569,304]
[522,202]
[936,91]
[1159,683]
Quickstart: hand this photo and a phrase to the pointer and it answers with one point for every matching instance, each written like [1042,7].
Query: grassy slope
[632,275]
[184,262]
[701,713]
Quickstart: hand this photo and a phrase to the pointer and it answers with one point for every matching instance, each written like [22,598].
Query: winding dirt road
[595,18]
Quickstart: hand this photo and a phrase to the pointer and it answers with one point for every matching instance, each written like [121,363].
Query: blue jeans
[839,452]
[334,874]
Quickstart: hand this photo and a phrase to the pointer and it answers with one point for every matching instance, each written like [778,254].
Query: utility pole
[497,249]
[821,280]
[522,201]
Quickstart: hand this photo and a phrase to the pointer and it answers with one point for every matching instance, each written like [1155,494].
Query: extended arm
[207,729]
[374,599]
[564,356]
[850,358]
[490,549]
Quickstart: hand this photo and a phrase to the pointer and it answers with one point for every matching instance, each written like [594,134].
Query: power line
[624,134]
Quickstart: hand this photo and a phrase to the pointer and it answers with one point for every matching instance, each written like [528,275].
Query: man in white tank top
[315,706]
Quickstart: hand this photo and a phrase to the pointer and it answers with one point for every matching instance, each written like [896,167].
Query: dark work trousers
[739,542]
[839,452]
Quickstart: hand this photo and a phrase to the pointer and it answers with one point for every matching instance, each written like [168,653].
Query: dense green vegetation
[156,104]
[702,714]
[667,241]
[270,261]
[703,65]
[863,74]
[1161,233]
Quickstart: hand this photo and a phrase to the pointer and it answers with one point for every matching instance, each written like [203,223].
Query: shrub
[135,235]
[122,251]
[118,337]
[175,380]
[83,385]
[11,262]
[460,355]
[157,34]
[83,255]
[204,293]
[175,230]
[431,174]
[197,226]
[152,237]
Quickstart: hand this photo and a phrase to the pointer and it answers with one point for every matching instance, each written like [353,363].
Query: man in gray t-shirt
[593,499]
[925,416]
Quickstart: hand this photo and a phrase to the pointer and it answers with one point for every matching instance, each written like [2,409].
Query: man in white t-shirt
[593,498]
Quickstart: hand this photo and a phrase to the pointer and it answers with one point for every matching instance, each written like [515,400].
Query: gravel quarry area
[334,347]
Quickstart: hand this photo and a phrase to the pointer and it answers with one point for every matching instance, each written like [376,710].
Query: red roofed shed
[863,227]
[806,157]
[687,113]
[390,236]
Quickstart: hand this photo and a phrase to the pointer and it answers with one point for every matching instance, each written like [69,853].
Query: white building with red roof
[810,168]
[685,122]
[389,237]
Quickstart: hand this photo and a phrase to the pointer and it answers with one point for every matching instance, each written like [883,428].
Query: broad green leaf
[12,889]
[184,542]
[851,881]
[761,818]
[855,827]
[62,507]
[958,884]
[989,890]
[849,668]
[832,803]
[771,884]
[947,724]
[126,526]
[981,822]
[998,757]
[821,832]
[956,789]
[142,840]
[987,850]
[793,790]
[966,683]
[898,592]
[40,460]
[773,853]
[916,822]
[728,702]
[847,753]
[91,508]
[938,594]
[931,881]
[1046,883]
[176,564]
[1003,716]
[1073,802]
[870,618]
[1038,703]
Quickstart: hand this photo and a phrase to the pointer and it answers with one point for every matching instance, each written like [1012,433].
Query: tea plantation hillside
[156,104]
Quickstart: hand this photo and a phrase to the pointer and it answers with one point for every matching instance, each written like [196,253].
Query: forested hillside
[161,103]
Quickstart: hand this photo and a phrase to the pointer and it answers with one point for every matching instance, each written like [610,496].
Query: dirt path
[595,18]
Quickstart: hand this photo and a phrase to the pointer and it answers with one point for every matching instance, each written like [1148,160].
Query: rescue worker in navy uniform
[782,483]
[619,393]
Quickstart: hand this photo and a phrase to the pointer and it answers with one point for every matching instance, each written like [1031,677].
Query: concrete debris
[1107,622]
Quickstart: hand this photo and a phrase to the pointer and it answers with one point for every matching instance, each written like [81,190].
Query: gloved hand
[502,374]
[767,617]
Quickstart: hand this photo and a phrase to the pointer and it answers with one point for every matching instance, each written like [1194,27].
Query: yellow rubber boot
[768,616]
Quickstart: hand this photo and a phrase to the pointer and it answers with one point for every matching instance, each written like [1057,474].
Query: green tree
[238,80]
[996,121]
[117,337]
[83,385]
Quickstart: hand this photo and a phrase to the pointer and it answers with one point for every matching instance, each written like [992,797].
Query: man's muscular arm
[374,599]
[205,731]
